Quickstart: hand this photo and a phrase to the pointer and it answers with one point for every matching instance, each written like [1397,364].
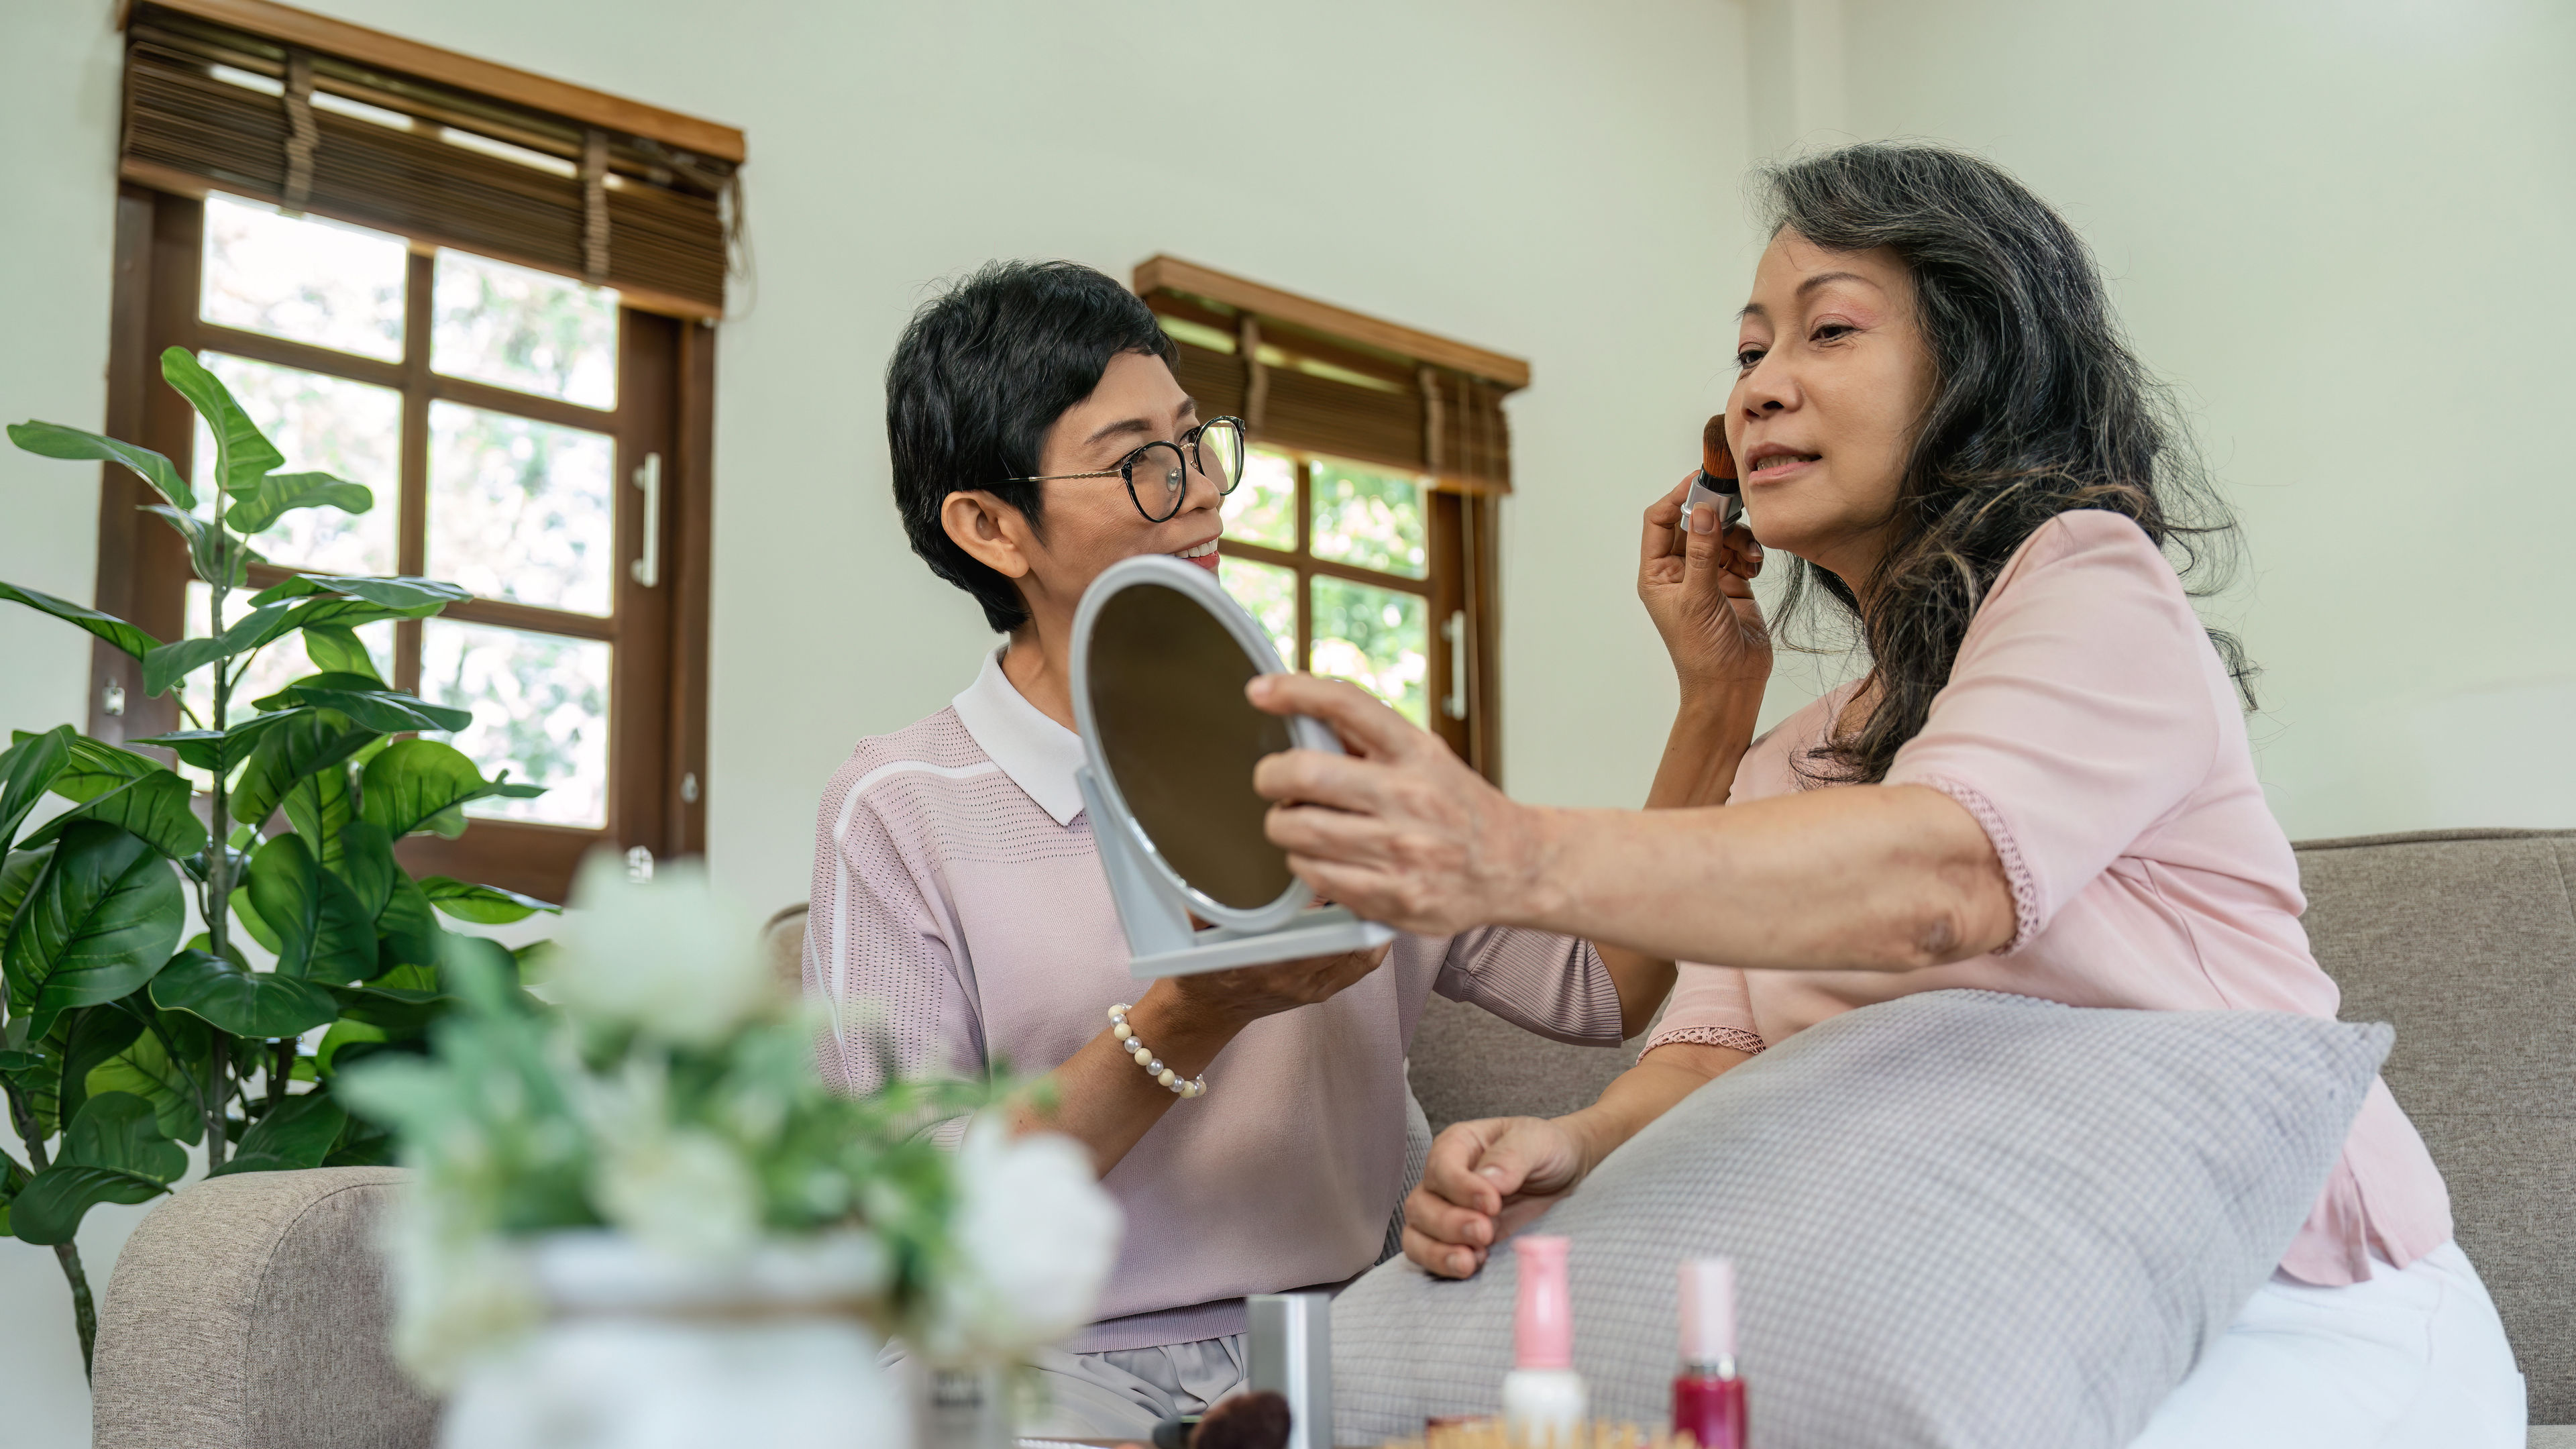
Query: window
[534,429]
[1362,536]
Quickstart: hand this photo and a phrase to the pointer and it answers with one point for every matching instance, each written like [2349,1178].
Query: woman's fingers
[1315,777]
[1449,1260]
[1449,1171]
[1662,517]
[1362,722]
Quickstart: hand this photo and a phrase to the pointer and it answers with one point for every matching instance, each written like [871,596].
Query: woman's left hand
[1399,830]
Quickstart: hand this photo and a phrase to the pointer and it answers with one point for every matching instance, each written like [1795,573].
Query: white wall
[1554,181]
[2343,227]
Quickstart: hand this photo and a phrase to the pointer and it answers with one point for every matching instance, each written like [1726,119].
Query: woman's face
[1833,376]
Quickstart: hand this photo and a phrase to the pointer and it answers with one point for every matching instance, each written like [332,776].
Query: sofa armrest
[251,1310]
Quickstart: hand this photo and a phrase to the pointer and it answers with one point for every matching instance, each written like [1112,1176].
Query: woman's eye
[1831,330]
[1747,358]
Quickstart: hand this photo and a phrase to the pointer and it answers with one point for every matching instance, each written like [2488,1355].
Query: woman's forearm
[1101,1098]
[1873,878]
[1643,1093]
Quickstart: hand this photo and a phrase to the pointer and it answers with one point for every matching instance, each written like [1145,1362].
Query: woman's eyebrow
[1127,425]
[1819,280]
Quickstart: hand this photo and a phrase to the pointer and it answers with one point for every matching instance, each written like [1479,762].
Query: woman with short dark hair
[2042,784]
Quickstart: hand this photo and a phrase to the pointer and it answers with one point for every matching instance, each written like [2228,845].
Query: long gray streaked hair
[2038,408]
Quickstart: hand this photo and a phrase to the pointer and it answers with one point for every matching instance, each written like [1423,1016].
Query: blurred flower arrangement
[673,1102]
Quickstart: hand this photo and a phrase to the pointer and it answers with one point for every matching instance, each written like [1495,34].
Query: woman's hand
[1697,587]
[1399,830]
[1482,1181]
[1235,999]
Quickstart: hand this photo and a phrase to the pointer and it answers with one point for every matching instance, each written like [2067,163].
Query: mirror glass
[1180,741]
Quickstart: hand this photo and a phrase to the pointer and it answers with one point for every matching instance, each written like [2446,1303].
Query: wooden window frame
[1455,586]
[658,684]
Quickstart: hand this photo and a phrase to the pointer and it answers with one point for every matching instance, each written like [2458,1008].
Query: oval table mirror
[1160,657]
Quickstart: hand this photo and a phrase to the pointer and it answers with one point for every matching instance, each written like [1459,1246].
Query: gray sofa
[248,1311]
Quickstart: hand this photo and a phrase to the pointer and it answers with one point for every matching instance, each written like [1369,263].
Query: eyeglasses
[1158,474]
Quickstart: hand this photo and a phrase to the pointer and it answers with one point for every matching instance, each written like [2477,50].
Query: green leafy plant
[120,1045]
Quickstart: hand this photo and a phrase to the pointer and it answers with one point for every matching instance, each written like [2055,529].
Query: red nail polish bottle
[1708,1396]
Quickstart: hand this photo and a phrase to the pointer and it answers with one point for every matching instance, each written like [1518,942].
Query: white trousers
[2415,1356]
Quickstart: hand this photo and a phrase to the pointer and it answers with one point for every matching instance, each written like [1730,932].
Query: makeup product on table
[1708,1394]
[1544,1400]
[1290,1354]
[1716,482]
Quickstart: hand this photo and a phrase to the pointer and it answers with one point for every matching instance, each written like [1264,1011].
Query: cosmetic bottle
[1544,1401]
[1708,1395]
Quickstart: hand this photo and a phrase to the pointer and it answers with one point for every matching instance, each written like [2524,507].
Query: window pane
[529,331]
[1268,593]
[521,510]
[540,705]
[1376,638]
[275,666]
[352,430]
[1263,508]
[303,278]
[1369,519]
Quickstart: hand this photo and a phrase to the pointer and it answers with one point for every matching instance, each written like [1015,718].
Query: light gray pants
[1123,1393]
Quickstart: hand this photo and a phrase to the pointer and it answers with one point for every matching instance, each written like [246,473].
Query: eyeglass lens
[1157,477]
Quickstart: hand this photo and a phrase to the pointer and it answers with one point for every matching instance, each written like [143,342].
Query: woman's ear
[992,533]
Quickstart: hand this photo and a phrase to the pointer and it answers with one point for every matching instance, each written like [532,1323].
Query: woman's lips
[1778,469]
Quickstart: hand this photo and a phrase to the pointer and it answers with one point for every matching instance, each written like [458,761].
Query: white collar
[1038,754]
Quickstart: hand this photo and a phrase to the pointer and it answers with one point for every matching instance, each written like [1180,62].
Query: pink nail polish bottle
[1544,1400]
[1708,1396]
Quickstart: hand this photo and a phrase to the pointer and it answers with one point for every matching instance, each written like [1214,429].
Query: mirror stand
[1160,939]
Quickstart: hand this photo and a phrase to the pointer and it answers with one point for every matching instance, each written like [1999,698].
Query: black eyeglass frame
[1187,450]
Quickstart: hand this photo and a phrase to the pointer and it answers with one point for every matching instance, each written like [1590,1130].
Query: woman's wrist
[1187,1033]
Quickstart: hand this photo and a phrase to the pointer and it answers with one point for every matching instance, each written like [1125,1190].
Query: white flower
[457,1298]
[671,958]
[681,1190]
[1035,1237]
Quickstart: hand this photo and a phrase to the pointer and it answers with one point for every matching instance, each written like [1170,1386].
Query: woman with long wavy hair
[2041,785]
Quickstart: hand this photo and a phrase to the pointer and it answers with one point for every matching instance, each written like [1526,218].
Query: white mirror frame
[1201,586]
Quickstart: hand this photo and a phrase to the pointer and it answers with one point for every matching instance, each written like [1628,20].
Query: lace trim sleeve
[2025,891]
[1734,1038]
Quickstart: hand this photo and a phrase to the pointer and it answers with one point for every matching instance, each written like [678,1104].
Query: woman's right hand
[1481,1183]
[1698,589]
[1235,999]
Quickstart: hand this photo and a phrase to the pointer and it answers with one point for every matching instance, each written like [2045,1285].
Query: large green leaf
[26,773]
[18,872]
[96,767]
[146,1070]
[414,783]
[287,753]
[393,592]
[279,493]
[159,807]
[296,1133]
[113,1152]
[320,807]
[398,1010]
[98,922]
[116,1129]
[408,933]
[386,711]
[50,1210]
[482,904]
[173,662]
[244,1003]
[367,863]
[89,1038]
[242,455]
[106,626]
[249,918]
[217,556]
[53,440]
[336,649]
[321,933]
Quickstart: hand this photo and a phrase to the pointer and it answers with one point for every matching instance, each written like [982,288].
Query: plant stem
[219,863]
[84,1312]
[281,1065]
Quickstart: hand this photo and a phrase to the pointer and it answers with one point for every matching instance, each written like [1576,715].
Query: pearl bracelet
[1144,1055]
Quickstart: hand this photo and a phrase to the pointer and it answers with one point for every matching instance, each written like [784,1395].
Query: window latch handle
[647,567]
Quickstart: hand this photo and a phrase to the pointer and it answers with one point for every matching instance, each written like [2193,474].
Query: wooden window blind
[313,114]
[1309,375]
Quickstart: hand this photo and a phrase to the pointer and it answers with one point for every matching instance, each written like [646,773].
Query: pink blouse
[2090,728]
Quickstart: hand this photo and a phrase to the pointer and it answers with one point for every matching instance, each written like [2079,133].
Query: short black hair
[982,372]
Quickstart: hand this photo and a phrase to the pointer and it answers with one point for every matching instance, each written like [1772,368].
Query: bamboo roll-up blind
[1308,375]
[279,105]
